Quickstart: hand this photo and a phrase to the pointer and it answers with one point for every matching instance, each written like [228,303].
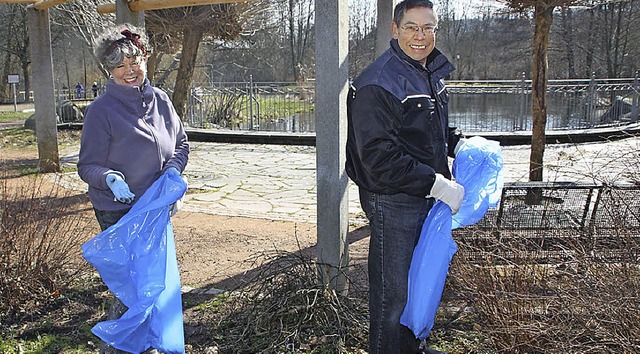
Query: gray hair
[114,44]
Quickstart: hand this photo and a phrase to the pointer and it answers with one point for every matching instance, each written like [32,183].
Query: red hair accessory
[135,39]
[131,37]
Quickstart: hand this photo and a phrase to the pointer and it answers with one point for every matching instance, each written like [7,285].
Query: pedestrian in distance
[398,145]
[94,88]
[131,134]
[79,90]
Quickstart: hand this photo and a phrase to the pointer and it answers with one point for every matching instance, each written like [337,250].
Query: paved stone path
[279,182]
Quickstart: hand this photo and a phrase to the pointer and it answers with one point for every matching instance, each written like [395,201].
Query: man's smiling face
[416,44]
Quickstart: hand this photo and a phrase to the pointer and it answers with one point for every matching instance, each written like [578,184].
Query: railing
[502,106]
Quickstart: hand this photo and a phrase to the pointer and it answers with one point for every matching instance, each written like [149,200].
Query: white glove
[459,146]
[450,192]
[120,188]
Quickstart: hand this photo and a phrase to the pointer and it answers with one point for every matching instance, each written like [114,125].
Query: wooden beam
[45,4]
[107,8]
[17,1]
[144,5]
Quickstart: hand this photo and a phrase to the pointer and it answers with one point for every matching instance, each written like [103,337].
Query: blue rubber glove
[173,171]
[120,188]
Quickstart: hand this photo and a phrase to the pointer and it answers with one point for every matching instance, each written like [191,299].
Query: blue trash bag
[136,258]
[478,167]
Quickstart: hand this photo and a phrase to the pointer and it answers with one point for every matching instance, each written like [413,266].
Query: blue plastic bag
[136,258]
[478,167]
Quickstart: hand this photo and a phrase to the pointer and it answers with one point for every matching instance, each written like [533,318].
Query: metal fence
[474,106]
[562,218]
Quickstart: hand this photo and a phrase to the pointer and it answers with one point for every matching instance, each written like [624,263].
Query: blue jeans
[107,218]
[395,222]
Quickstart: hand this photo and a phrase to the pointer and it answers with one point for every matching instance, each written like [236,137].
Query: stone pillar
[125,15]
[332,82]
[43,89]
[383,25]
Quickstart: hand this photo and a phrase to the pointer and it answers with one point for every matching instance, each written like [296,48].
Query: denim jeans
[107,218]
[395,222]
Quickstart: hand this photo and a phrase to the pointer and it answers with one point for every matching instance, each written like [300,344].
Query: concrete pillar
[125,15]
[332,78]
[383,25]
[43,89]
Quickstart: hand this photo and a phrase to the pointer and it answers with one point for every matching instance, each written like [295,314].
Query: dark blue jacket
[398,124]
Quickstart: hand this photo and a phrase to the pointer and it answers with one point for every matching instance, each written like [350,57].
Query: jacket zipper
[153,134]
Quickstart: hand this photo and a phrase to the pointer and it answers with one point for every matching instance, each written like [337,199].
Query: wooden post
[125,15]
[383,25]
[143,5]
[43,89]
[332,80]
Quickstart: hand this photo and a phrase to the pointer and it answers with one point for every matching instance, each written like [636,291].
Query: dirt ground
[217,251]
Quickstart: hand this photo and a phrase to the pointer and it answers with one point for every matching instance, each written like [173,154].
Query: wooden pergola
[332,78]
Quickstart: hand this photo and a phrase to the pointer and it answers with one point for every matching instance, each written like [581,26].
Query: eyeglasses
[426,29]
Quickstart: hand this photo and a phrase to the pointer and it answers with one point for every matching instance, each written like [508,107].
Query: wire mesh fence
[552,221]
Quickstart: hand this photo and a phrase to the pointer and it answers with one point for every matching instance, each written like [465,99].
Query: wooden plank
[143,5]
[107,8]
[45,4]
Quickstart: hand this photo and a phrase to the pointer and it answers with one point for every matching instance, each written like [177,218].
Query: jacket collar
[132,97]
[437,63]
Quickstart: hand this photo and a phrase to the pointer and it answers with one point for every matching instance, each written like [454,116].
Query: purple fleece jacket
[134,132]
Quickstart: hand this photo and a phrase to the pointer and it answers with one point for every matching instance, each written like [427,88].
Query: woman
[131,134]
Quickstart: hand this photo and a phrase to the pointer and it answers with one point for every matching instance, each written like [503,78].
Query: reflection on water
[512,112]
[478,112]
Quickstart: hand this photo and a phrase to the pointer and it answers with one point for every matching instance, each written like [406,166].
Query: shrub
[41,230]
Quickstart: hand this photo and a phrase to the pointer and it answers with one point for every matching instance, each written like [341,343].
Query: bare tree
[15,45]
[192,24]
[79,20]
[362,26]
[543,17]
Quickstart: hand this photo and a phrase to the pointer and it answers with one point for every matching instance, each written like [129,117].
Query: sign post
[14,80]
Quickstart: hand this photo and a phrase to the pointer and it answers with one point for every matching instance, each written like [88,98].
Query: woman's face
[131,72]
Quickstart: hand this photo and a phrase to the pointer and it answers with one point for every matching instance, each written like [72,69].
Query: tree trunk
[26,65]
[190,44]
[151,66]
[544,19]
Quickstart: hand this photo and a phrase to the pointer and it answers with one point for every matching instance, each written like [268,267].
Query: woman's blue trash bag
[136,258]
[478,167]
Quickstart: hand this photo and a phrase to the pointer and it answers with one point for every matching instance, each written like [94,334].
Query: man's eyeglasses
[426,29]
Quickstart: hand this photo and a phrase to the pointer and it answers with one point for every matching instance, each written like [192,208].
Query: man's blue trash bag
[478,167]
[136,258]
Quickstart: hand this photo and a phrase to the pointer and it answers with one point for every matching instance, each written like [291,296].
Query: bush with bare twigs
[40,235]
[284,308]
[557,288]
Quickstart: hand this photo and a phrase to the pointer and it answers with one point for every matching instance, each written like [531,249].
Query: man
[397,147]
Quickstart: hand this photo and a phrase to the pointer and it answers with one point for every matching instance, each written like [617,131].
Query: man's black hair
[406,5]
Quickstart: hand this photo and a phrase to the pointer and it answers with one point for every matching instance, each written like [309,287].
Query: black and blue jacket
[398,125]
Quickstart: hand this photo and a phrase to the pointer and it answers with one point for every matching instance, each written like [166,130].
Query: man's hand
[120,188]
[448,191]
